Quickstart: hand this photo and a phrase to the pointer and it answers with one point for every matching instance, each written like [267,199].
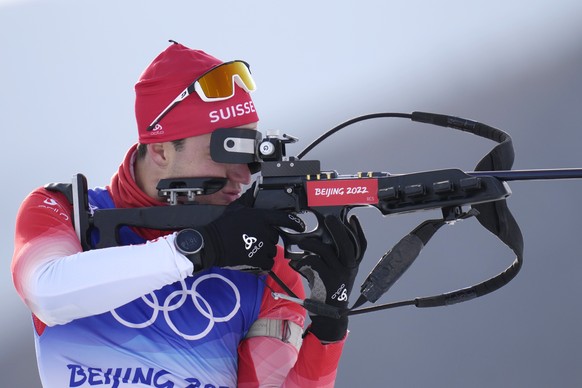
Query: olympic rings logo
[200,303]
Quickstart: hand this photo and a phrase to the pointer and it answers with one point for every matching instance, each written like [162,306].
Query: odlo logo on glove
[249,241]
[341,294]
[259,230]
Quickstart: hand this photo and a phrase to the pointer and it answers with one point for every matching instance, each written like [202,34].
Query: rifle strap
[494,216]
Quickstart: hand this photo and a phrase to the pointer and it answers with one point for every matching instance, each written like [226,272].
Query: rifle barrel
[527,175]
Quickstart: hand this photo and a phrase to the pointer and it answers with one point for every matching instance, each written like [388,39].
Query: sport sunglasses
[217,84]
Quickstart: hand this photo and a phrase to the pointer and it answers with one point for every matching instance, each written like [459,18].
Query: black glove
[331,271]
[245,237]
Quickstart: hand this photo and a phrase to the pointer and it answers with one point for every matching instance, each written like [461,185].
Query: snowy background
[67,70]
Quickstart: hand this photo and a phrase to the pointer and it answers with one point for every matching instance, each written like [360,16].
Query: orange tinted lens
[219,82]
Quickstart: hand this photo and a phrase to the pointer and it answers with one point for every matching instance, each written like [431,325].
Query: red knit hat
[165,78]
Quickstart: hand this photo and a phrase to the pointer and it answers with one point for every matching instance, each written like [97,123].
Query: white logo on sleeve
[50,202]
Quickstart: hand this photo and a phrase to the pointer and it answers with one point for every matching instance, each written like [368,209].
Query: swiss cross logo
[342,192]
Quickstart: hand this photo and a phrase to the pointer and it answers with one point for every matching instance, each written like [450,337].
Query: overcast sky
[67,70]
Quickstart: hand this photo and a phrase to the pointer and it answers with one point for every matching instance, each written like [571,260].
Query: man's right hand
[245,237]
[331,269]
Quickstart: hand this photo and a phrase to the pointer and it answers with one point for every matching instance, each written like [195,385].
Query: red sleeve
[269,361]
[43,224]
[44,229]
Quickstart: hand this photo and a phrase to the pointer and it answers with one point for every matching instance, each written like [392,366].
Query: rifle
[293,184]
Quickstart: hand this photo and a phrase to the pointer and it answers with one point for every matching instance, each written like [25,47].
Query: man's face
[194,160]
